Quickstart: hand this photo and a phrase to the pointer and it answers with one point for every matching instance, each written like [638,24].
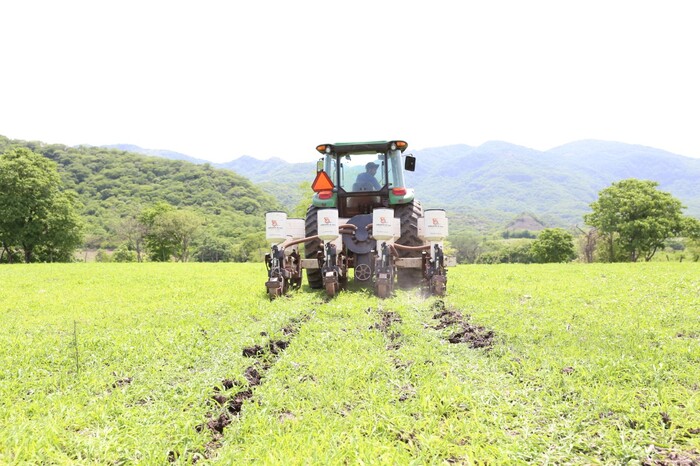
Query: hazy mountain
[486,186]
[167,154]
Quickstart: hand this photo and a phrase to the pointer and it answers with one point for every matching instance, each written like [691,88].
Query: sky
[220,79]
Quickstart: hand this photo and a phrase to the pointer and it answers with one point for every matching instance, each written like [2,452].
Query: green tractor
[364,218]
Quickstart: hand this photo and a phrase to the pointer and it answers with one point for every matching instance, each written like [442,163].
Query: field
[190,363]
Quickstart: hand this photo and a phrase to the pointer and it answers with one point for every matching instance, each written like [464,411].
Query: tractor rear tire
[409,214]
[312,247]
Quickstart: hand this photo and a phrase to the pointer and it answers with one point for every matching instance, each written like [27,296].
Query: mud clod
[387,319]
[475,336]
[666,419]
[447,318]
[253,351]
[252,376]
[228,384]
[218,424]
[276,347]
[236,404]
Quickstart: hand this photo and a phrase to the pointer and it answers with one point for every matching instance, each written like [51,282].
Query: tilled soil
[230,395]
[475,336]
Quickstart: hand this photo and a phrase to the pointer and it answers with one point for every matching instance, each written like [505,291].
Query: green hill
[113,184]
[486,187]
[483,188]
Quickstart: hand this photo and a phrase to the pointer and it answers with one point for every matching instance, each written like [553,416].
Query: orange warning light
[322,182]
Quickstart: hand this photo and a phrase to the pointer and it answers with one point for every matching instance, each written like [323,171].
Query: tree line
[631,220]
[111,189]
[56,199]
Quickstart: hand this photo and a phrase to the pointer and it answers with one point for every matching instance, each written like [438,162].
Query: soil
[230,395]
[387,319]
[253,351]
[665,457]
[475,336]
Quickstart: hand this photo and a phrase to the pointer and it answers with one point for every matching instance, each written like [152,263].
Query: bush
[103,256]
[123,254]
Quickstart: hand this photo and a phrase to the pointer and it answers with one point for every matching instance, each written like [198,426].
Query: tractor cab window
[363,172]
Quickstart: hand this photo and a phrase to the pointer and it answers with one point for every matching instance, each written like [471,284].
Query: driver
[367,179]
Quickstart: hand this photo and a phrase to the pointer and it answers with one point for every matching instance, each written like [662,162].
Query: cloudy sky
[221,79]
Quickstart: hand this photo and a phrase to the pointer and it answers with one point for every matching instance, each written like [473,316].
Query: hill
[485,187]
[115,184]
[166,154]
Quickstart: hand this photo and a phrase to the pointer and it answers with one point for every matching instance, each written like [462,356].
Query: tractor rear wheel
[409,214]
[312,247]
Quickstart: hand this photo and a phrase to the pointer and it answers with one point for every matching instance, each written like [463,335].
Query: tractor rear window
[365,172]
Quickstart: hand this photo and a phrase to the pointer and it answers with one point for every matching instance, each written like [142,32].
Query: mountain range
[487,186]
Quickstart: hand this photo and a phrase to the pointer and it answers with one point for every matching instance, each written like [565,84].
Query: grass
[589,364]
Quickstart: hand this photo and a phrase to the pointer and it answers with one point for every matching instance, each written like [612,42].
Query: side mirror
[319,165]
[410,163]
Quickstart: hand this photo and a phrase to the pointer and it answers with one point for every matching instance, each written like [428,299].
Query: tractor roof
[371,147]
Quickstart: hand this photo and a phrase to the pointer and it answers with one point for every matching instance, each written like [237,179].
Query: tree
[554,245]
[35,214]
[250,248]
[467,246]
[160,247]
[170,231]
[213,249]
[516,252]
[63,233]
[124,254]
[134,232]
[691,230]
[179,227]
[588,243]
[636,216]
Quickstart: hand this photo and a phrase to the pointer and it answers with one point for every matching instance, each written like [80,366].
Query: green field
[144,364]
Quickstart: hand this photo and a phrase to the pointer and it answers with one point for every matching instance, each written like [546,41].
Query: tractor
[362,218]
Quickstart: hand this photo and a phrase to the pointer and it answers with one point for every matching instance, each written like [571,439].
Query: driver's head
[371,167]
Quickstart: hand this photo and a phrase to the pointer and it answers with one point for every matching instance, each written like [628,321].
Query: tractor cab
[362,218]
[355,178]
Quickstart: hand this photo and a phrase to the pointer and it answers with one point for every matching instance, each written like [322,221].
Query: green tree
[213,249]
[179,228]
[35,214]
[124,254]
[134,232]
[467,247]
[636,216]
[554,245]
[517,252]
[160,247]
[691,230]
[251,248]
